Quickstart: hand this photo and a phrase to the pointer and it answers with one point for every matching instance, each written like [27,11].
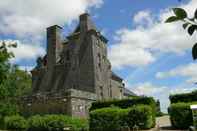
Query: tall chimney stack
[85,23]
[54,45]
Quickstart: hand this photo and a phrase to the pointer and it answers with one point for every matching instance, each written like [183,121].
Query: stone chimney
[54,44]
[85,23]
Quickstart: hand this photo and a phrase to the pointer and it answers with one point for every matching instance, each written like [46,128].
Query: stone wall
[71,102]
[116,89]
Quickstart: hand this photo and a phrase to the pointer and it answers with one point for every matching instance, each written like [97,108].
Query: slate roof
[127,92]
[116,77]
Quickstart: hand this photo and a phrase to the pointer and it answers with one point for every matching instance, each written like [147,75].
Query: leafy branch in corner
[189,24]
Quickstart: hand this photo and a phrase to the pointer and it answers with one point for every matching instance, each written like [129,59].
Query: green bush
[56,123]
[185,97]
[195,121]
[7,109]
[181,115]
[112,119]
[37,123]
[125,103]
[128,103]
[142,116]
[108,119]
[16,123]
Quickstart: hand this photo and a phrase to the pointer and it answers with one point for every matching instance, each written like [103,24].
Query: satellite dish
[194,52]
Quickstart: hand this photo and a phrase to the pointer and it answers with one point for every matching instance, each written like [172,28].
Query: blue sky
[154,58]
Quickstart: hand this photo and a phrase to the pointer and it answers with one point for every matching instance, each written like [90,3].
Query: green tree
[5,55]
[189,24]
[18,83]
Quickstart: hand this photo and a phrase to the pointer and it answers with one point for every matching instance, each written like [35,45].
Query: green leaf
[194,52]
[185,25]
[172,19]
[191,29]
[195,14]
[180,13]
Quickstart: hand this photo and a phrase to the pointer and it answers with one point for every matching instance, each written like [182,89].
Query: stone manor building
[74,73]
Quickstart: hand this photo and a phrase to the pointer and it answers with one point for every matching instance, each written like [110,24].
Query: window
[110,91]
[121,93]
[99,57]
[99,60]
[97,42]
[67,55]
[101,92]
[80,108]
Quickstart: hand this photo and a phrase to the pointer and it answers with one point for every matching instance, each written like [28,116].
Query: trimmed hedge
[141,116]
[113,119]
[108,119]
[185,97]
[124,103]
[128,103]
[181,115]
[16,123]
[46,123]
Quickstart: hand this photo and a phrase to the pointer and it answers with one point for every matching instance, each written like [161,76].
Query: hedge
[141,116]
[185,97]
[127,103]
[15,122]
[124,103]
[45,123]
[113,119]
[56,123]
[181,115]
[109,119]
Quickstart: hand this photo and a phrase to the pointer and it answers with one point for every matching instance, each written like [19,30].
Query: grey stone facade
[75,69]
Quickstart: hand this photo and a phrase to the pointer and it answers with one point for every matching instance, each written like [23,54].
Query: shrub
[112,119]
[142,116]
[125,103]
[56,123]
[37,123]
[16,123]
[180,115]
[185,97]
[108,119]
[7,109]
[128,103]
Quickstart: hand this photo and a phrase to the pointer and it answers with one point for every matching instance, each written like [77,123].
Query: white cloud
[143,18]
[31,17]
[26,68]
[148,89]
[188,71]
[161,93]
[156,37]
[27,21]
[127,53]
